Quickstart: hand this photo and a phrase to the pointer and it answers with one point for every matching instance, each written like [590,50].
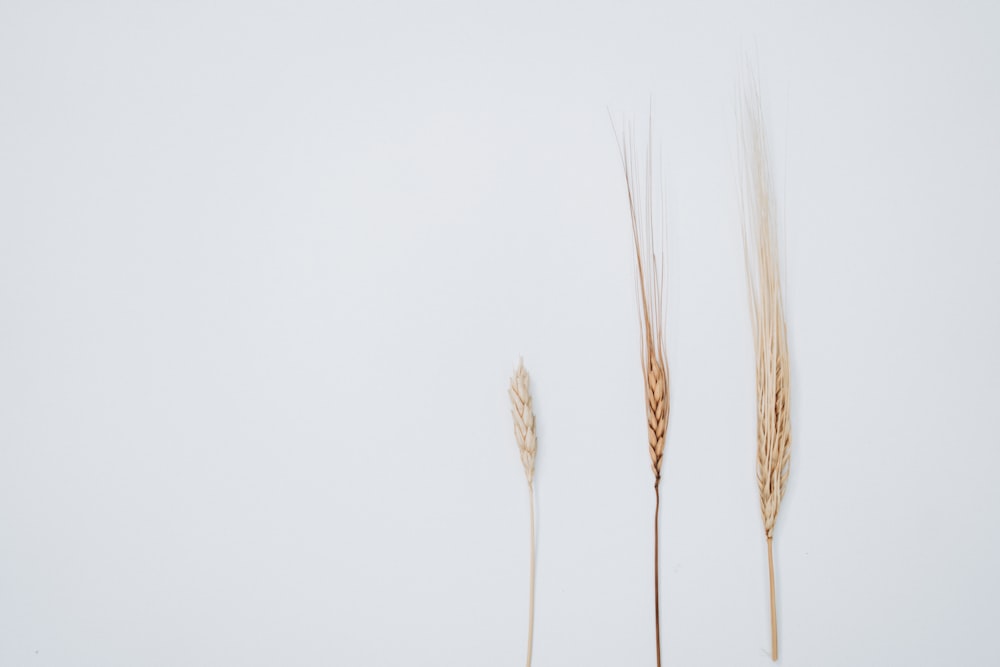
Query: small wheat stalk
[646,217]
[524,434]
[760,247]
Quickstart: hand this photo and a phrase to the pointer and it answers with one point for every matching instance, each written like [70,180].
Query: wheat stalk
[524,434]
[760,247]
[646,217]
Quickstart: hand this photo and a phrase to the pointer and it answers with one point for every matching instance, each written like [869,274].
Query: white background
[265,270]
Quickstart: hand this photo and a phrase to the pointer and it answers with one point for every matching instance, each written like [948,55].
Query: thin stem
[531,592]
[656,567]
[774,613]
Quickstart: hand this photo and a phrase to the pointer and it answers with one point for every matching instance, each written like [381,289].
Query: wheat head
[647,218]
[524,419]
[657,409]
[760,246]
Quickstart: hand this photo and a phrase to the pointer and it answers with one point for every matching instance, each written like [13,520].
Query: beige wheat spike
[524,434]
[524,419]
[647,217]
[760,247]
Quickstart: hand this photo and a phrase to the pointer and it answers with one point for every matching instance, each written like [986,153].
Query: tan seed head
[524,419]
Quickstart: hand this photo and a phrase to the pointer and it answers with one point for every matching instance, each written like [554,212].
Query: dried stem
[774,612]
[531,584]
[656,567]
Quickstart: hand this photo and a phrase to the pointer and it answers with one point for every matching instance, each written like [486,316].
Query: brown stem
[774,613]
[656,567]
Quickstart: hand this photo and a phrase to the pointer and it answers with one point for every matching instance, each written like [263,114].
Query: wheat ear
[524,434]
[760,247]
[646,216]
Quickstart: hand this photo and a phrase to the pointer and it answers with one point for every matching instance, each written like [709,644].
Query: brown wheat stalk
[646,213]
[760,247]
[524,434]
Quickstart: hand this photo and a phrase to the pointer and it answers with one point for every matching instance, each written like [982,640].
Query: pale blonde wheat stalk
[760,247]
[524,433]
[647,214]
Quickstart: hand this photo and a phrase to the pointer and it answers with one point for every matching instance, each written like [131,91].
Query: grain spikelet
[760,247]
[524,419]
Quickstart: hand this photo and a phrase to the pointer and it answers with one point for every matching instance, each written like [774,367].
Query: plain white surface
[265,270]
